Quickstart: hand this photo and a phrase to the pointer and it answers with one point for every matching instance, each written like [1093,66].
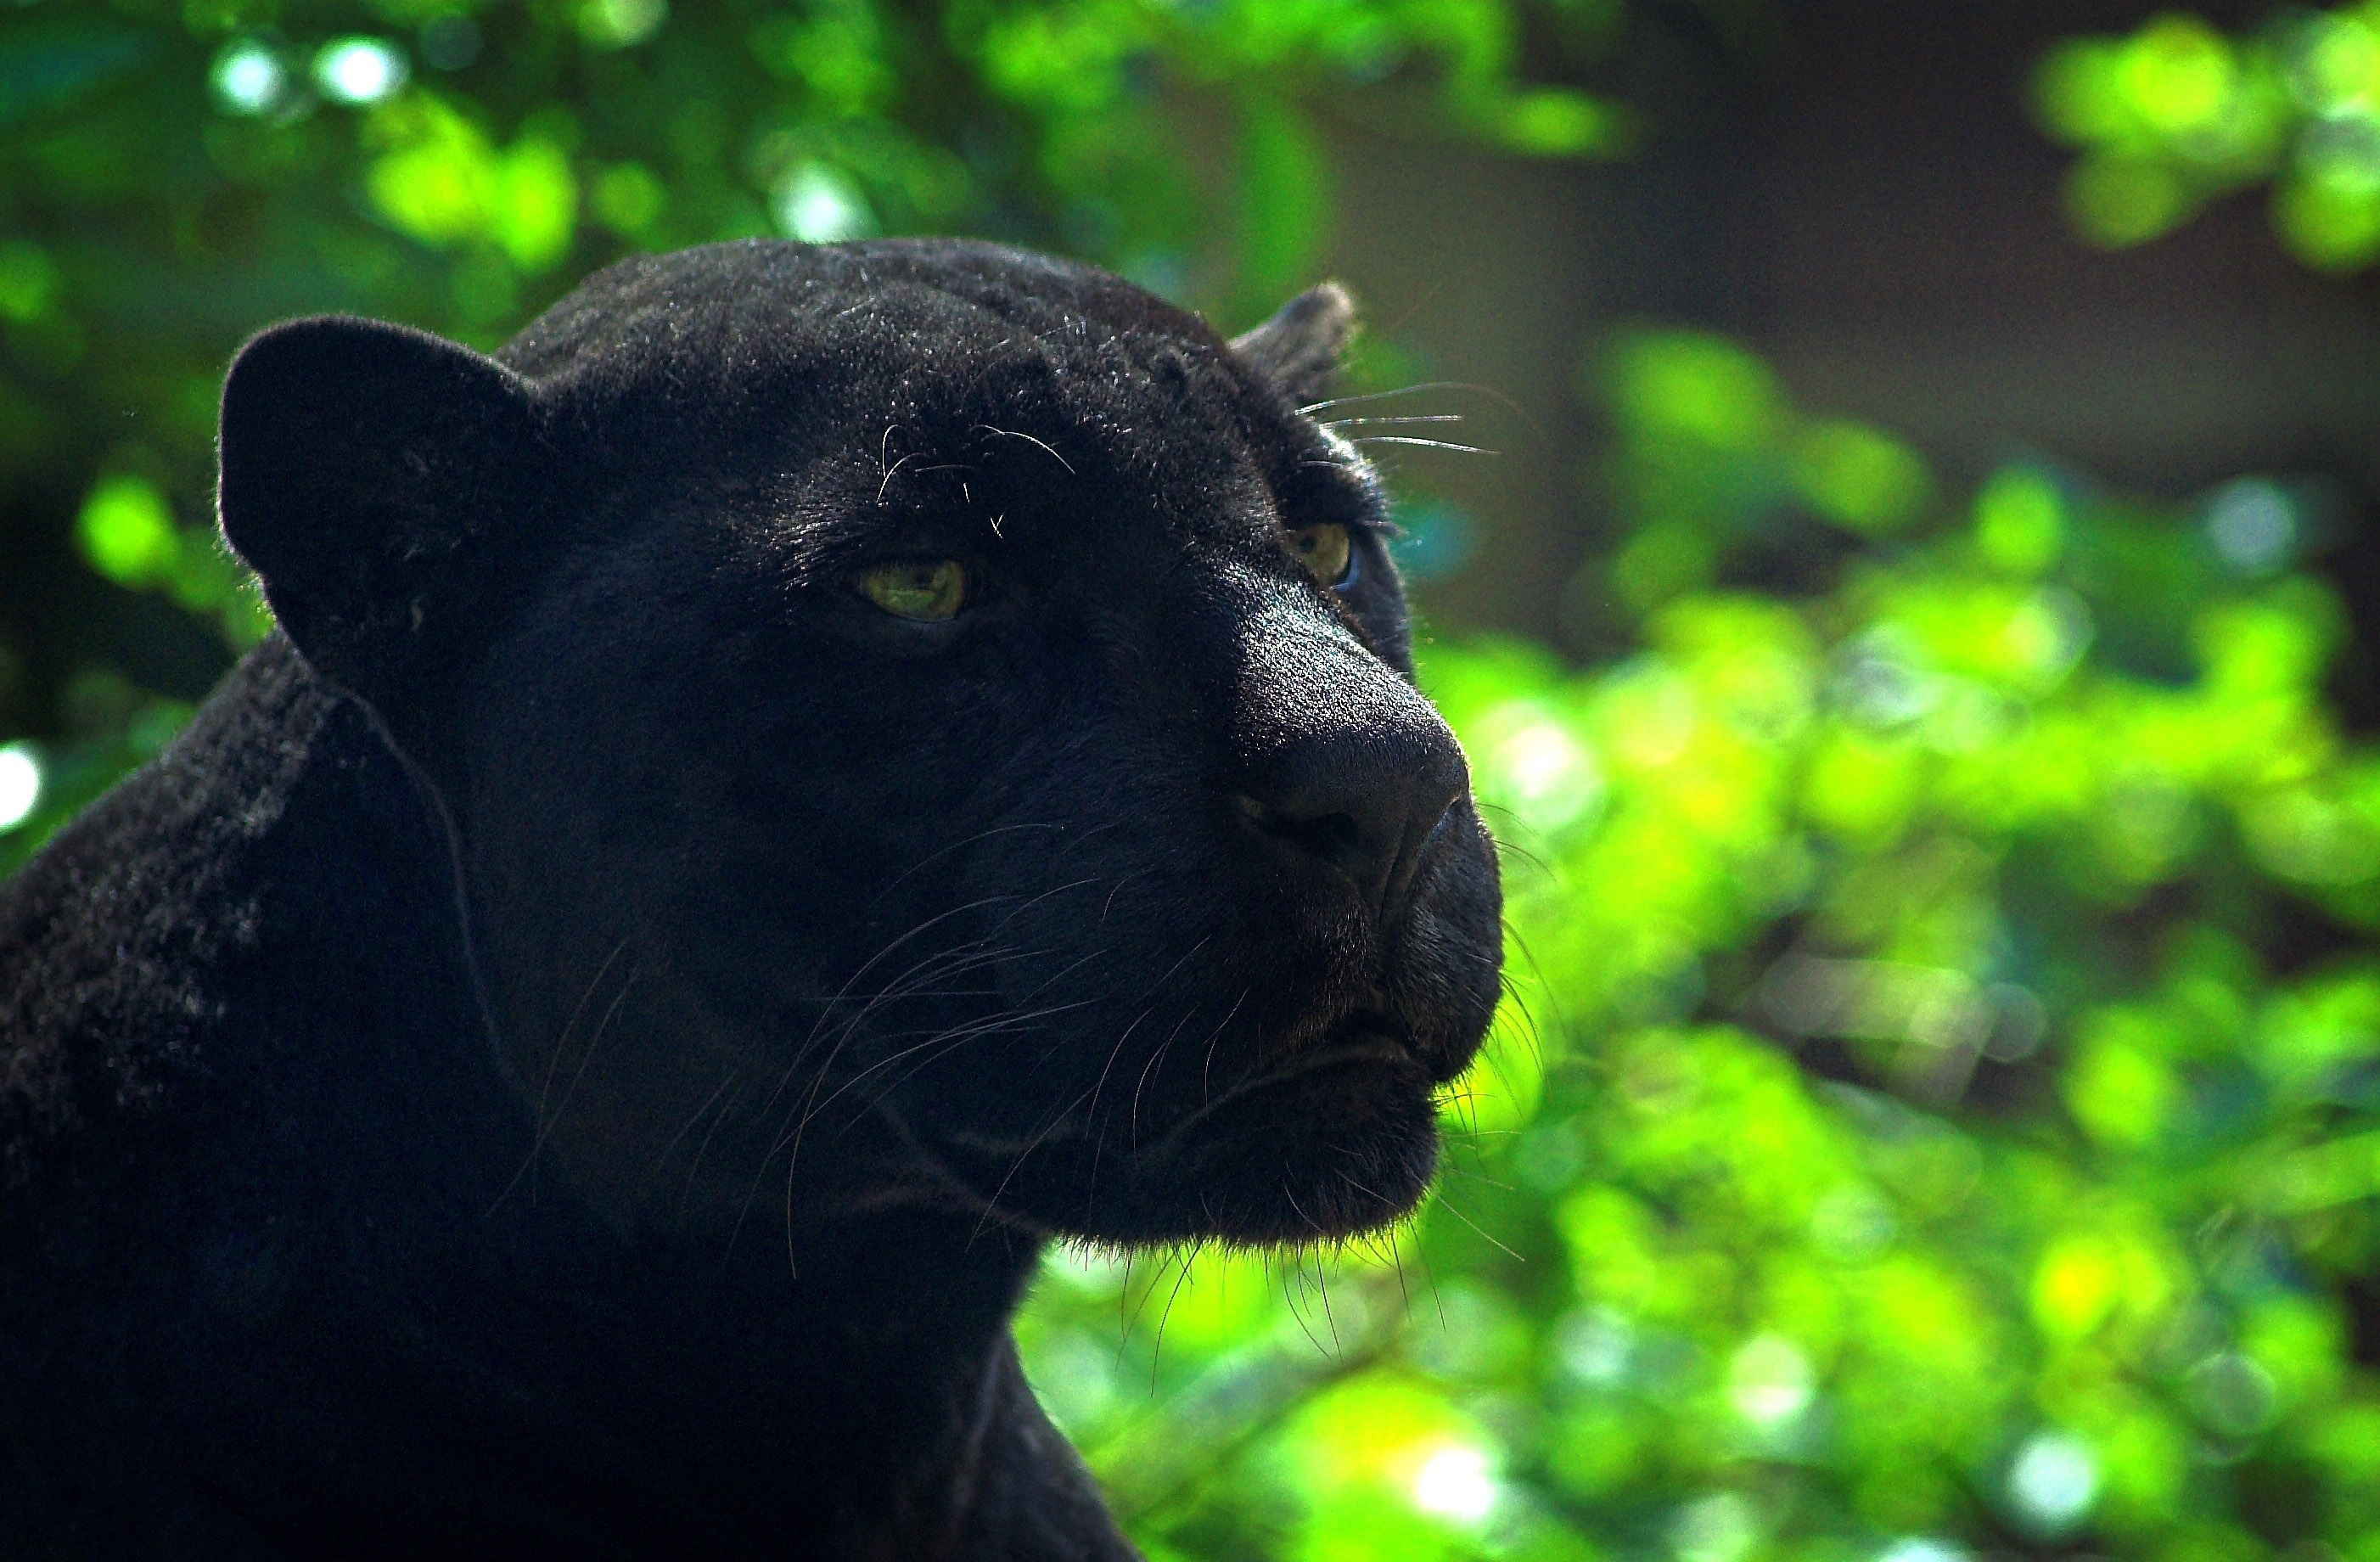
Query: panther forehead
[731,318]
[867,368]
[915,382]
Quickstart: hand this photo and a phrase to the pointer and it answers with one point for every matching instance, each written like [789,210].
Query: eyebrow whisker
[1488,391]
[1429,443]
[1018,434]
[1313,407]
[889,473]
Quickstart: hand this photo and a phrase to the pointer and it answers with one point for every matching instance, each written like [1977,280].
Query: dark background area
[1856,191]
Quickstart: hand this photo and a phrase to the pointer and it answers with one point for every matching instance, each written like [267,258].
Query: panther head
[918,722]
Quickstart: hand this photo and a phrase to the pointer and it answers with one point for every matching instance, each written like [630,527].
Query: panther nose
[1362,801]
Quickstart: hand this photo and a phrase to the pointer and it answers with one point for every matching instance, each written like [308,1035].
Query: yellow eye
[926,590]
[1325,549]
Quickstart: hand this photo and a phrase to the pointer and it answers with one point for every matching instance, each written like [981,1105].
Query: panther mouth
[1339,1138]
[1361,1041]
[1333,1134]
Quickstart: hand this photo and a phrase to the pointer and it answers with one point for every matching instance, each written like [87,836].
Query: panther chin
[1337,1141]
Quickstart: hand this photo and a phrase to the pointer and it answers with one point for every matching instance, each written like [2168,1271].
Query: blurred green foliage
[2177,114]
[1935,1115]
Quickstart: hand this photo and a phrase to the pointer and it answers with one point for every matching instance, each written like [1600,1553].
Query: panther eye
[1326,551]
[925,590]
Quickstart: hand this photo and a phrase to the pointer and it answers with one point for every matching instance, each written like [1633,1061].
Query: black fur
[578,1048]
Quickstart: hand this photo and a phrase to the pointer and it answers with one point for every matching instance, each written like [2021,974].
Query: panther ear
[1298,348]
[366,470]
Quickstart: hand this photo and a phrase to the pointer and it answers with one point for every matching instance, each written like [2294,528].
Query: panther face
[920,723]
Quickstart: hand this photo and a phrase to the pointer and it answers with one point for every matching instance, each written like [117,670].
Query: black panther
[808,776]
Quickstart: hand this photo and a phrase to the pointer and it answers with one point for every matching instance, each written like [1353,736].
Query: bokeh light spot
[1881,681]
[1769,1380]
[1922,1548]
[20,784]
[1684,384]
[29,280]
[628,199]
[248,79]
[1545,776]
[2077,1282]
[2343,153]
[359,70]
[1860,479]
[820,205]
[621,24]
[1455,1482]
[1852,1223]
[2251,524]
[2178,72]
[2328,224]
[128,531]
[2019,521]
[1594,1347]
[2053,1480]
[2231,1394]
[1716,1528]
[2333,62]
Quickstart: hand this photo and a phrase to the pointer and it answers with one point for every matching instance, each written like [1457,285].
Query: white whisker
[1428,443]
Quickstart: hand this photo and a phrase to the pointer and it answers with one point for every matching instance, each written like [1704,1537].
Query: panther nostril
[1347,791]
[1335,837]
[1369,830]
